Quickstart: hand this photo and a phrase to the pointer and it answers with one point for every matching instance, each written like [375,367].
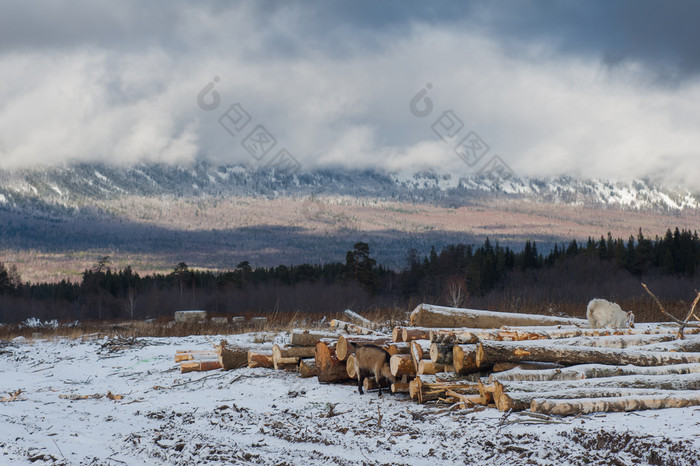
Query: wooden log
[300,337]
[307,368]
[398,348]
[415,333]
[303,352]
[690,345]
[397,334]
[660,382]
[369,383]
[490,352]
[330,368]
[420,349]
[190,355]
[345,348]
[401,364]
[285,363]
[399,387]
[353,328]
[486,393]
[256,359]
[198,366]
[350,366]
[586,371]
[428,367]
[569,407]
[426,315]
[526,366]
[413,389]
[231,357]
[357,318]
[520,401]
[441,353]
[467,401]
[429,389]
[464,359]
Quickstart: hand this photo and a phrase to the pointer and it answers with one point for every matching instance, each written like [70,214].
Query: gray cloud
[596,89]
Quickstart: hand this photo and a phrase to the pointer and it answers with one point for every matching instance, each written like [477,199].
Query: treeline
[456,275]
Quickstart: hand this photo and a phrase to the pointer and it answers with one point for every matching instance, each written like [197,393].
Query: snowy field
[261,416]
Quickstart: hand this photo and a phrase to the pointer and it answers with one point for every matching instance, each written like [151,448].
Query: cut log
[426,315]
[369,383]
[344,348]
[526,366]
[401,364]
[520,401]
[464,359]
[256,359]
[428,367]
[330,368]
[428,389]
[413,389]
[467,401]
[399,387]
[486,393]
[441,353]
[397,334]
[398,348]
[285,363]
[420,349]
[303,352]
[199,366]
[490,352]
[350,366]
[191,356]
[660,382]
[353,328]
[307,368]
[586,371]
[415,333]
[300,337]
[691,344]
[357,318]
[628,403]
[231,357]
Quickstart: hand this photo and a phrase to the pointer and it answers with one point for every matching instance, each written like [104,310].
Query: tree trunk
[428,367]
[420,349]
[304,352]
[199,366]
[399,387]
[401,364]
[344,348]
[520,401]
[629,403]
[350,367]
[490,352]
[231,357]
[260,360]
[308,338]
[280,363]
[441,353]
[352,328]
[589,371]
[464,358]
[192,355]
[307,368]
[397,334]
[525,366]
[427,315]
[415,333]
[330,368]
[398,348]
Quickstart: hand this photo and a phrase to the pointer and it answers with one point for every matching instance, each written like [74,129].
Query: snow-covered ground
[261,416]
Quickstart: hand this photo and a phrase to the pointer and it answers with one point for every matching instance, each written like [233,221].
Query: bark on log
[358,318]
[399,387]
[231,357]
[352,328]
[401,364]
[369,383]
[629,403]
[397,334]
[409,334]
[300,337]
[198,366]
[464,359]
[413,389]
[586,371]
[426,315]
[303,352]
[285,363]
[520,401]
[350,366]
[691,344]
[256,359]
[428,367]
[659,382]
[490,352]
[398,348]
[486,393]
[330,368]
[307,368]
[526,366]
[345,349]
[441,354]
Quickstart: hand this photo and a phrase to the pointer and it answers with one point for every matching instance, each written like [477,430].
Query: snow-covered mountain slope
[80,185]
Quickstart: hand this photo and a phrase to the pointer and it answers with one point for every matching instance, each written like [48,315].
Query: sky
[597,89]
